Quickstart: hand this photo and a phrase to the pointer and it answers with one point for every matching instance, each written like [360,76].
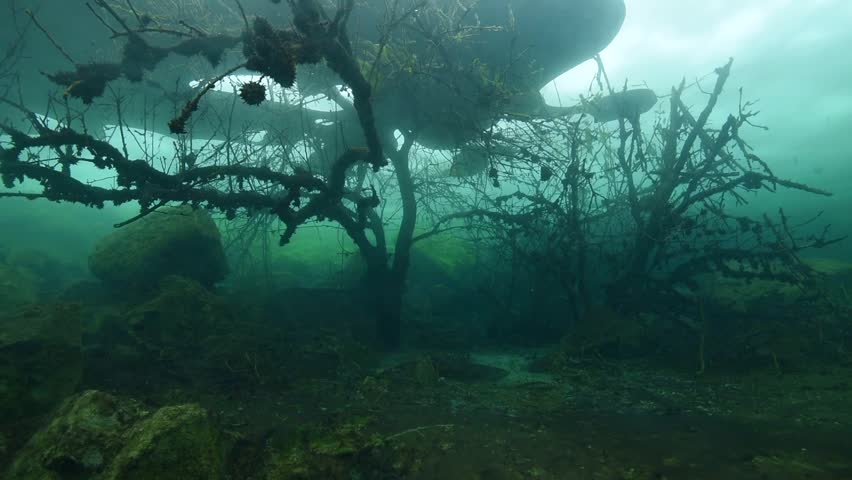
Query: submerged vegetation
[491,273]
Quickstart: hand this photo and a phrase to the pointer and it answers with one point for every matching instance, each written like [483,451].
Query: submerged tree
[634,219]
[582,192]
[294,196]
[240,178]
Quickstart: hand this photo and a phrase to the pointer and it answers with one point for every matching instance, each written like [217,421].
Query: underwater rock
[342,452]
[186,334]
[182,309]
[425,372]
[443,274]
[428,370]
[30,276]
[304,311]
[604,333]
[163,334]
[171,241]
[86,432]
[768,323]
[759,296]
[747,296]
[176,442]
[95,435]
[602,330]
[17,288]
[497,472]
[47,273]
[462,368]
[787,466]
[40,359]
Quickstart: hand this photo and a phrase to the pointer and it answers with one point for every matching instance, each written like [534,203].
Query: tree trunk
[389,315]
[392,277]
[385,295]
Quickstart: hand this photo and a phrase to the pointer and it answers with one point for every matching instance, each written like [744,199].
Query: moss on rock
[171,241]
[180,311]
[97,436]
[85,433]
[343,452]
[175,443]
[161,339]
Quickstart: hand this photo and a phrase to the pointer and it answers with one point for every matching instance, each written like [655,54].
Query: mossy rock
[462,368]
[97,436]
[175,443]
[791,467]
[181,311]
[329,355]
[44,272]
[439,279]
[343,452]
[497,472]
[85,433]
[40,359]
[831,267]
[837,276]
[761,296]
[745,297]
[602,330]
[164,336]
[438,264]
[444,256]
[171,241]
[425,372]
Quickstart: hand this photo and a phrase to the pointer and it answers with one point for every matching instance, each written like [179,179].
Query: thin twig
[445,426]
[167,31]
[115,32]
[103,4]
[135,13]
[243,13]
[195,30]
[49,37]
[144,213]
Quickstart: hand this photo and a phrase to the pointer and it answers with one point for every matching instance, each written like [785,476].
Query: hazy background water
[793,57]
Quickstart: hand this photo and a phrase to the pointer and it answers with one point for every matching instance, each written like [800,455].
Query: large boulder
[169,330]
[40,359]
[178,316]
[160,339]
[171,241]
[97,436]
